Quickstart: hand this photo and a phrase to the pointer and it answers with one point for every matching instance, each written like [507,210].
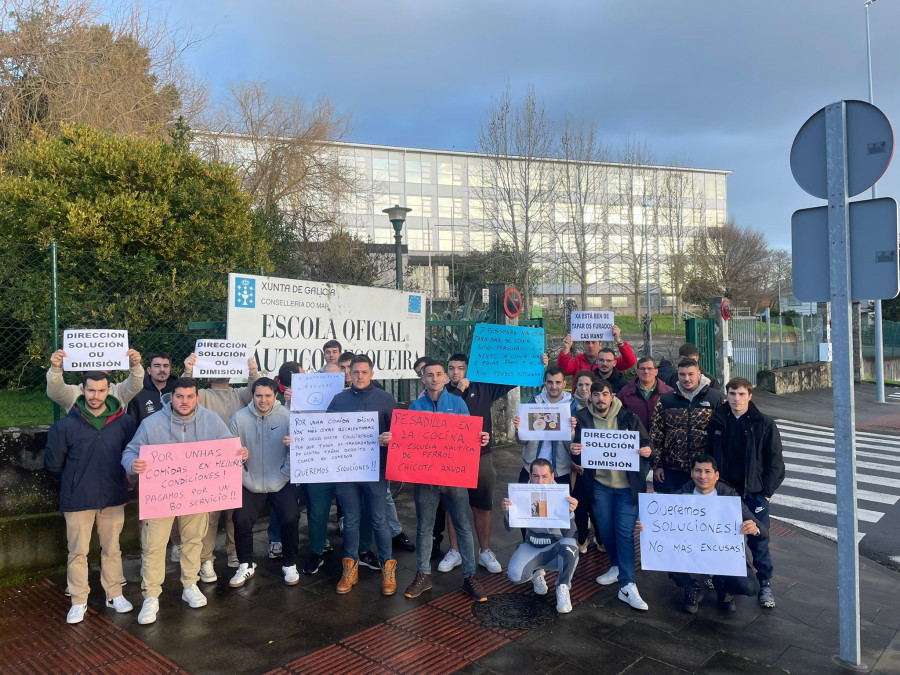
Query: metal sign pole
[842,376]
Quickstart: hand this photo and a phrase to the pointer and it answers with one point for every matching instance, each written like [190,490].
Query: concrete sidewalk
[266,626]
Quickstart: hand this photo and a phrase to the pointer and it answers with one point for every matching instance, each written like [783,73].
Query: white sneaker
[451,560]
[76,613]
[175,553]
[120,604]
[563,603]
[488,560]
[193,597]
[233,561]
[148,611]
[275,550]
[539,583]
[244,572]
[629,593]
[610,577]
[291,577]
[207,573]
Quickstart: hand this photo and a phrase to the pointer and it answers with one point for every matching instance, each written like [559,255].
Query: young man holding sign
[604,362]
[615,493]
[456,499]
[65,395]
[181,420]
[84,456]
[705,482]
[546,549]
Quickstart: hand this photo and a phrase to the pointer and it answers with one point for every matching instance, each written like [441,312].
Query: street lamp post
[397,215]
[879,335]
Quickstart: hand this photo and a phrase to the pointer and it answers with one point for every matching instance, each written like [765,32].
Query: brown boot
[349,576]
[389,577]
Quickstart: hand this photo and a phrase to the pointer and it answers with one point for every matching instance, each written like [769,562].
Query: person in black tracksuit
[158,380]
[747,447]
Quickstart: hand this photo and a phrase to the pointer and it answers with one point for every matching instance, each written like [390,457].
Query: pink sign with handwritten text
[186,478]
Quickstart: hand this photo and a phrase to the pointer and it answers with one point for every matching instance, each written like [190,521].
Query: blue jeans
[759,548]
[456,503]
[352,496]
[616,515]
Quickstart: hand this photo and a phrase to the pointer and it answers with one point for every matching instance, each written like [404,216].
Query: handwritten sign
[334,447]
[186,478]
[592,326]
[692,533]
[434,448]
[95,349]
[314,391]
[221,358]
[544,422]
[507,355]
[610,449]
[539,506]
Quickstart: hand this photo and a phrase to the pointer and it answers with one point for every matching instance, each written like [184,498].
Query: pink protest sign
[186,478]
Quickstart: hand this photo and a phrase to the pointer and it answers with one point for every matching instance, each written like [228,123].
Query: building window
[450,173]
[385,201]
[418,171]
[619,301]
[386,169]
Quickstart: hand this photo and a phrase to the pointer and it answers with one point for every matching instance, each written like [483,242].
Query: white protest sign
[291,320]
[692,533]
[539,506]
[95,349]
[544,422]
[314,391]
[221,358]
[610,449]
[592,326]
[334,447]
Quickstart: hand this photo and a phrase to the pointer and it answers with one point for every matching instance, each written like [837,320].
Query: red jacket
[633,401]
[574,364]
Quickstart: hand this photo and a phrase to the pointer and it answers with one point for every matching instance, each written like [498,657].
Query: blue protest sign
[507,355]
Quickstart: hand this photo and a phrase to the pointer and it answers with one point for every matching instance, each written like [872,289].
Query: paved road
[807,497]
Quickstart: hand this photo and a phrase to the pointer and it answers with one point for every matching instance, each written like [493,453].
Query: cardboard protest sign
[291,319]
[545,422]
[592,326]
[95,349]
[507,355]
[692,533]
[221,358]
[186,478]
[610,449]
[314,391]
[434,448]
[334,447]
[539,506]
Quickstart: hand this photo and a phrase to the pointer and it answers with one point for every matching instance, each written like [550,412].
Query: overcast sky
[726,85]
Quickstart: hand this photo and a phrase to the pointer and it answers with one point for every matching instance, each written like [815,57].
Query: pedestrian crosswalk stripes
[895,395]
[807,498]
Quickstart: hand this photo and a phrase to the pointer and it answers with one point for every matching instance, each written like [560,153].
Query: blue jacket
[88,463]
[446,403]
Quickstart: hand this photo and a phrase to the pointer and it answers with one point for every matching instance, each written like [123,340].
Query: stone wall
[791,379]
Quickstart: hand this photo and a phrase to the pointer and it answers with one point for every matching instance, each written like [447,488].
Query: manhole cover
[514,611]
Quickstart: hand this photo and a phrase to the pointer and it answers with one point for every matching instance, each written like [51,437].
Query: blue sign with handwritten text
[507,355]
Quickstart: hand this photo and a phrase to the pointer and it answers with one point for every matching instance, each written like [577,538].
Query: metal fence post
[54,312]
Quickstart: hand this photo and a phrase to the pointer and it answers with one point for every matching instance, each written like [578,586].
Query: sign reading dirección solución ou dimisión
[291,320]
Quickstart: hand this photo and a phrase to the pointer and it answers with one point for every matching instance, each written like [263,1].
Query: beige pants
[209,539]
[155,536]
[79,525]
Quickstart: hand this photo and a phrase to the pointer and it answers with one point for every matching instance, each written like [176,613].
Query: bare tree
[678,204]
[581,190]
[77,61]
[284,148]
[636,190]
[731,260]
[518,180]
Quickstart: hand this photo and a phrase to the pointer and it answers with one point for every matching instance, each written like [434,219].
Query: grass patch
[21,407]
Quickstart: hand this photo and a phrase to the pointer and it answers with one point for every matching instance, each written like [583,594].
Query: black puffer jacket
[678,428]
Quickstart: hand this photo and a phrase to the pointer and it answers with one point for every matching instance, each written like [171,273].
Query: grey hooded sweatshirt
[268,466]
[166,427]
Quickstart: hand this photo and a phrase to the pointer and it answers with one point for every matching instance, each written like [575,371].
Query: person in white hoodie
[264,426]
[556,452]
[182,420]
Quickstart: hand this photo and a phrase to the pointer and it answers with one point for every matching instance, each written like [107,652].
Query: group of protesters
[692,437]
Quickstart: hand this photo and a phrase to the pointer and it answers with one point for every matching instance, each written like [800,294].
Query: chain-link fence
[45,289]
